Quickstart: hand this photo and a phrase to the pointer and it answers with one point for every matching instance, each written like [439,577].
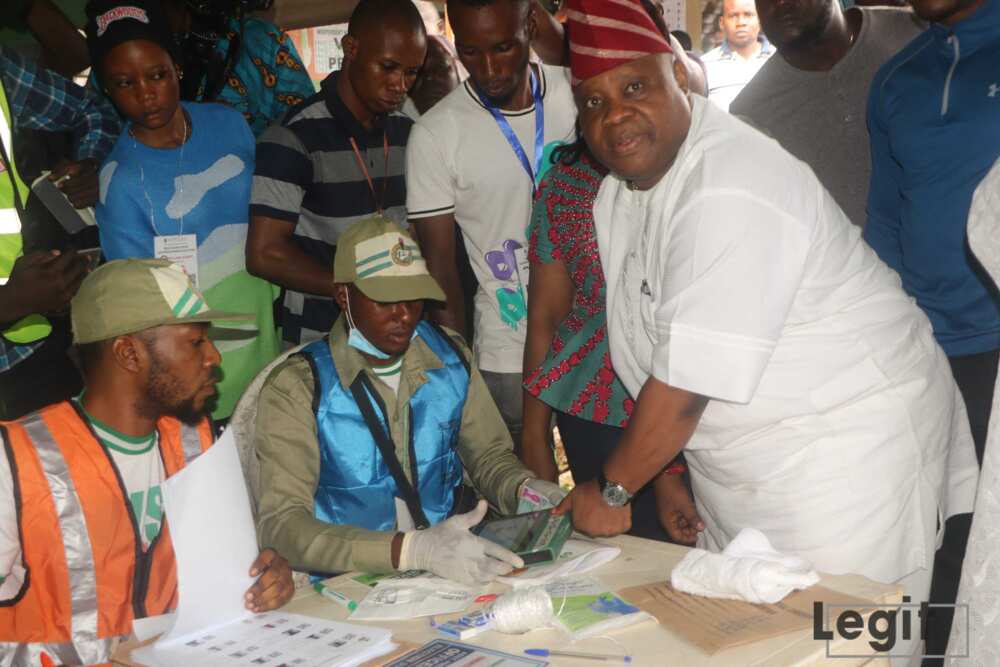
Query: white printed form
[274,639]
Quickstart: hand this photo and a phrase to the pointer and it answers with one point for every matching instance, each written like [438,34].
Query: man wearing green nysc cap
[363,437]
[80,504]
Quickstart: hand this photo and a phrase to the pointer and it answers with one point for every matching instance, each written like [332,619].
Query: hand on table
[593,516]
[676,509]
[449,550]
[274,587]
[77,180]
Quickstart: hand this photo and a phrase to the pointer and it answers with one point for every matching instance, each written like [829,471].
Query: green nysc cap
[130,295]
[383,261]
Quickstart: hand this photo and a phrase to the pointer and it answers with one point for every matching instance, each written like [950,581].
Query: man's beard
[161,396]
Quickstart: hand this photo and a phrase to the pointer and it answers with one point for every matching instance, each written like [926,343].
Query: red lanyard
[364,170]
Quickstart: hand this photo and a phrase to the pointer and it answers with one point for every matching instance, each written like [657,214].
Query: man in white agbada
[760,334]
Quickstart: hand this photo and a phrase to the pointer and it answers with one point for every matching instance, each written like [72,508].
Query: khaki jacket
[288,451]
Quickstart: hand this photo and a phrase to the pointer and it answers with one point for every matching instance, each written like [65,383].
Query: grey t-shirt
[819,117]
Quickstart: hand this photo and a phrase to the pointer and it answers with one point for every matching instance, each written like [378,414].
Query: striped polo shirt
[308,175]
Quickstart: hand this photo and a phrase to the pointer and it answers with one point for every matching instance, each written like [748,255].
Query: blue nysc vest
[355,484]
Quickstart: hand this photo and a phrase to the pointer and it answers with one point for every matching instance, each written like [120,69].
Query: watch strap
[603,483]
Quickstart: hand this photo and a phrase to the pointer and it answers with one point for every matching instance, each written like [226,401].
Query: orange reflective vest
[86,577]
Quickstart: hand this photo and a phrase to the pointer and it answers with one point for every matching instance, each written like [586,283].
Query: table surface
[641,562]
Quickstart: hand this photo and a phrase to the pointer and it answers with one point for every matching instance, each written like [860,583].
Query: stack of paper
[273,638]
[214,550]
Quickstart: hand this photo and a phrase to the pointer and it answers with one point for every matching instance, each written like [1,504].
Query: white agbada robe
[835,425]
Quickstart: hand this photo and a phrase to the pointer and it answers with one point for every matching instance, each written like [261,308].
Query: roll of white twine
[522,610]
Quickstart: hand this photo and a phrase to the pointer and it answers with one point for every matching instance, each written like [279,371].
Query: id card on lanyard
[508,132]
[180,249]
[532,170]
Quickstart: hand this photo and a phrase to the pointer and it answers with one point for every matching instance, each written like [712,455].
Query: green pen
[339,598]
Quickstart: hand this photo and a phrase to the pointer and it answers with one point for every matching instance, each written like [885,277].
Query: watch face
[615,495]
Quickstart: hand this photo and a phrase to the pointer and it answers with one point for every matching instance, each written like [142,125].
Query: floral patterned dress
[576,376]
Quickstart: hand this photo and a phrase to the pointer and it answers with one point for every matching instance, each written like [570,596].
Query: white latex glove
[449,550]
[552,493]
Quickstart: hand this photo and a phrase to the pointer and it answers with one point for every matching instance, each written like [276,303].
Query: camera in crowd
[206,68]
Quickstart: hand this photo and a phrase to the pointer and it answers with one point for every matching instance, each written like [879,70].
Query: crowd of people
[739,284]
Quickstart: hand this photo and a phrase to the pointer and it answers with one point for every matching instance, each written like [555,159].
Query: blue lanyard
[515,143]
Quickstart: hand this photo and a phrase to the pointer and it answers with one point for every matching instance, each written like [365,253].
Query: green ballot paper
[537,537]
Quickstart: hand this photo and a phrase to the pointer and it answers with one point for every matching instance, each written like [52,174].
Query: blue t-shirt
[934,123]
[140,199]
[200,188]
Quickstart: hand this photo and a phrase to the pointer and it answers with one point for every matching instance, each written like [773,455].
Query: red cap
[603,34]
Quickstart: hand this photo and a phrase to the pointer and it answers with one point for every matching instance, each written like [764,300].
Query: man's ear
[681,75]
[129,353]
[350,45]
[531,23]
[340,296]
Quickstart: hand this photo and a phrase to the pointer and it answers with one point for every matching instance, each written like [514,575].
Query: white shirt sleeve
[11,562]
[721,289]
[430,184]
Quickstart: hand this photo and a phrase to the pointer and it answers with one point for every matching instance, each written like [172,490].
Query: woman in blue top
[177,183]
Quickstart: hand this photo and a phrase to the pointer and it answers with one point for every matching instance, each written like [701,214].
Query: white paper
[274,638]
[577,557]
[145,629]
[394,599]
[215,543]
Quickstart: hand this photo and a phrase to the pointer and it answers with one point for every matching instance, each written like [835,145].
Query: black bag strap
[363,391]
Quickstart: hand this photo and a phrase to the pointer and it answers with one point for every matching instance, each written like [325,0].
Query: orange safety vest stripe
[55,549]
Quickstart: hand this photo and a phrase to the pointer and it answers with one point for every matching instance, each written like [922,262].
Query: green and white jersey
[141,467]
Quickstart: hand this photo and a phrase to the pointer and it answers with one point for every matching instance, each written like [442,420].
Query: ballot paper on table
[577,557]
[274,638]
[412,597]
